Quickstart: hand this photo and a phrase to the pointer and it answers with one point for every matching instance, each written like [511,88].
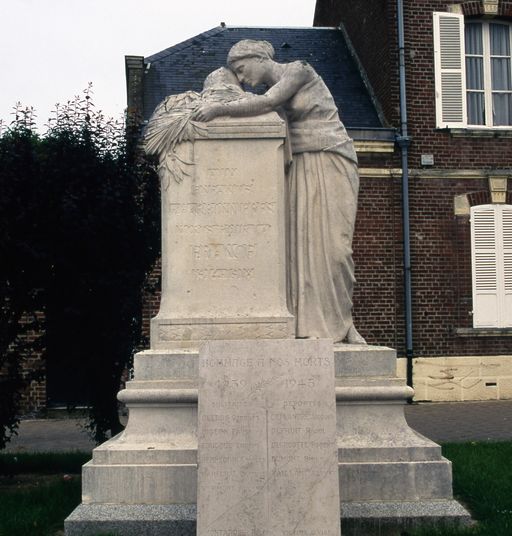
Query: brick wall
[377,312]
[27,351]
[476,7]
[441,277]
[151,299]
[441,267]
[33,398]
[370,25]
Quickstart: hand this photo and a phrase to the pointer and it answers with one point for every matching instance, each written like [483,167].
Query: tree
[90,211]
[24,260]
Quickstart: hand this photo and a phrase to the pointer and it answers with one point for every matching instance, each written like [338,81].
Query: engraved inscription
[237,532]
[223,251]
[228,228]
[223,273]
[233,362]
[225,209]
[221,172]
[223,189]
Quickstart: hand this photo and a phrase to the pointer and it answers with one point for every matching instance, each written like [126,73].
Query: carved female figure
[323,186]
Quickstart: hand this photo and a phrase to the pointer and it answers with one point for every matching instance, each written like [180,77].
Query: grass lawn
[37,491]
[482,481]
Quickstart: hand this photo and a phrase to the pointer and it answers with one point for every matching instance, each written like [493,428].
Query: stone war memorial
[259,410]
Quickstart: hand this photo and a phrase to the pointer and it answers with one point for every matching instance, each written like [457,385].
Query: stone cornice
[378,146]
[440,174]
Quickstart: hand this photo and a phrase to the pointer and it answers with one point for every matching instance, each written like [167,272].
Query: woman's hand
[207,112]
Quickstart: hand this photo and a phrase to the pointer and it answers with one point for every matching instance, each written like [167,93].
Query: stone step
[395,481]
[375,518]
[392,518]
[361,361]
[132,520]
[150,453]
[139,484]
[389,453]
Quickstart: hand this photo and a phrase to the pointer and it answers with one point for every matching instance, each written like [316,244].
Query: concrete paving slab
[51,435]
[462,421]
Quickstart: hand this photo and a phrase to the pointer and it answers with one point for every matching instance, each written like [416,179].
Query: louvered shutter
[485,277]
[506,312]
[491,233]
[450,70]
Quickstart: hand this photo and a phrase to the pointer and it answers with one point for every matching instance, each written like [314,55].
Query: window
[473,72]
[491,257]
[488,74]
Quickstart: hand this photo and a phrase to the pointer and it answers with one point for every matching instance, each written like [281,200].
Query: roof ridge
[283,27]
[184,44]
[218,29]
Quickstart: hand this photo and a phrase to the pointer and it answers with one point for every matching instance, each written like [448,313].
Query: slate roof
[185,66]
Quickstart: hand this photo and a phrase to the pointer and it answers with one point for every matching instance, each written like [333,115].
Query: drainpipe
[403,141]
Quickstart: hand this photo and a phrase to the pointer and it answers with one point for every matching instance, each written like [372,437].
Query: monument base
[357,519]
[145,479]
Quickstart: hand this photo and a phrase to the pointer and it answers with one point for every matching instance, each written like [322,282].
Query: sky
[52,49]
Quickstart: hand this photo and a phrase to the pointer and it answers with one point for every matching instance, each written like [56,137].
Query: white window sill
[483,332]
[471,132]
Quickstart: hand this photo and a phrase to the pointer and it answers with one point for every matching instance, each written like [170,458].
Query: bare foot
[353,336]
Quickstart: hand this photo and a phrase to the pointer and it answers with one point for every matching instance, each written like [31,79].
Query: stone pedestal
[223,238]
[390,476]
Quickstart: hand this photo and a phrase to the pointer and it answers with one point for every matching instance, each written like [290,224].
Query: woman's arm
[295,76]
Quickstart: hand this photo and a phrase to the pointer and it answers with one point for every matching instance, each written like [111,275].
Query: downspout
[403,141]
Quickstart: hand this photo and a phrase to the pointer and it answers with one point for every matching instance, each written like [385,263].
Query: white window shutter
[506,220]
[450,70]
[484,262]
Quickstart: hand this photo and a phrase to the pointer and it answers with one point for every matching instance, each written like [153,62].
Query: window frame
[450,72]
[486,56]
[492,241]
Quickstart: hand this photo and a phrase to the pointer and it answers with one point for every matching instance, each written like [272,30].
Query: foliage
[24,258]
[79,227]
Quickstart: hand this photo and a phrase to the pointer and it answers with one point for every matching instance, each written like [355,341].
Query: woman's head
[250,60]
[249,48]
